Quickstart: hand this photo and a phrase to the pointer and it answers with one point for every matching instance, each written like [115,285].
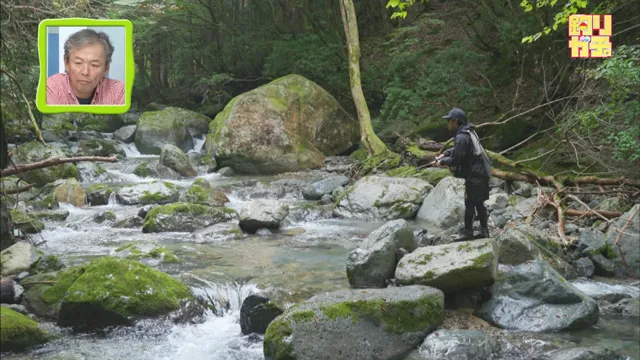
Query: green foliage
[400,7]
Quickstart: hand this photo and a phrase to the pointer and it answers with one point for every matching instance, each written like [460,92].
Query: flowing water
[290,268]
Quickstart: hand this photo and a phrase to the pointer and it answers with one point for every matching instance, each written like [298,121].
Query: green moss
[344,194]
[25,222]
[361,154]
[99,188]
[482,261]
[53,296]
[18,332]
[466,247]
[142,170]
[169,257]
[303,316]
[428,275]
[106,281]
[197,194]
[275,345]
[195,210]
[403,171]
[398,316]
[46,263]
[610,252]
[381,162]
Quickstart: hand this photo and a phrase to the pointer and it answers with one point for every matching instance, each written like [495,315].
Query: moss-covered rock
[70,192]
[356,324]
[107,215]
[51,215]
[46,202]
[89,122]
[183,217]
[99,147]
[202,193]
[157,128]
[35,151]
[133,252]
[157,170]
[25,223]
[174,158]
[18,332]
[287,125]
[111,291]
[98,194]
[157,192]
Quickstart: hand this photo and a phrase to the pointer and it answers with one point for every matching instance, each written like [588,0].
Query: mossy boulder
[18,332]
[155,170]
[451,267]
[356,324]
[202,193]
[289,124]
[183,217]
[25,223]
[156,192]
[157,128]
[98,194]
[35,151]
[99,147]
[111,291]
[51,215]
[107,215]
[87,121]
[70,192]
[142,251]
[174,158]
[430,175]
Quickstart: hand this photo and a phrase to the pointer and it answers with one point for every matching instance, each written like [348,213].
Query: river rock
[174,158]
[25,223]
[524,243]
[256,313]
[201,192]
[444,206]
[156,192]
[534,297]
[131,222]
[262,213]
[6,239]
[225,171]
[35,151]
[183,217]
[584,267]
[586,353]
[70,192]
[98,194]
[316,190]
[126,134]
[18,258]
[382,197]
[450,267]
[91,122]
[110,291]
[99,147]
[18,332]
[356,324]
[89,172]
[497,201]
[628,241]
[374,261]
[155,129]
[289,124]
[156,170]
[458,345]
[308,213]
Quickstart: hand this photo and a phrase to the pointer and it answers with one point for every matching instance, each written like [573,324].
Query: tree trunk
[7,291]
[369,139]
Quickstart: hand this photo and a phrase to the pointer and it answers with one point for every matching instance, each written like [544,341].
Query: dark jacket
[461,158]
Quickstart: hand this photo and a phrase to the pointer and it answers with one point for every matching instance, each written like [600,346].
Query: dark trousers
[476,192]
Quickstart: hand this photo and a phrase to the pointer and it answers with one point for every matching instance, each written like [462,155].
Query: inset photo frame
[86,65]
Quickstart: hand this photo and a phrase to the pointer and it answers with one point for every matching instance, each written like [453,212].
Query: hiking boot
[466,236]
[484,234]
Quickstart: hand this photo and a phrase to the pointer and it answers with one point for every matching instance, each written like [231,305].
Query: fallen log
[593,213]
[7,291]
[53,162]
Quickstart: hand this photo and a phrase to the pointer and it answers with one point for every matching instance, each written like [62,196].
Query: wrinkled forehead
[90,52]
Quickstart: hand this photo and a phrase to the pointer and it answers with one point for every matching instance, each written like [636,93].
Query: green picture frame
[41,95]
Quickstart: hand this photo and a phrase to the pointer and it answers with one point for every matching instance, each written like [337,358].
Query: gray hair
[88,37]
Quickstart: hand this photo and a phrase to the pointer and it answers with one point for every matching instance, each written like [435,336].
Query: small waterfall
[132,152]
[198,143]
[112,199]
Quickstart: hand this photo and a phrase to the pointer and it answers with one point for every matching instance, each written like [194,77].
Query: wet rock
[317,190]
[264,232]
[444,206]
[585,267]
[19,257]
[25,223]
[450,267]
[497,201]
[587,353]
[521,188]
[155,129]
[263,191]
[126,134]
[201,192]
[374,261]
[626,307]
[262,214]
[591,241]
[570,229]
[526,206]
[175,159]
[337,193]
[356,324]
[256,313]
[603,266]
[628,241]
[132,222]
[534,297]
[51,215]
[19,333]
[157,170]
[100,147]
[458,345]
[218,232]
[156,192]
[307,213]
[184,217]
[145,210]
[89,172]
[225,171]
[71,192]
[382,197]
[107,215]
[35,151]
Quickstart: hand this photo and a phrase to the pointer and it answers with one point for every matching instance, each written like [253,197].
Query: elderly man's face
[86,67]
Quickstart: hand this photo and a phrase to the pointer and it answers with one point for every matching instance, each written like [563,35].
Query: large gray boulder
[458,345]
[126,134]
[626,242]
[382,197]
[289,124]
[444,206]
[174,158]
[157,128]
[374,261]
[534,297]
[156,192]
[585,353]
[183,217]
[524,243]
[262,213]
[316,190]
[356,324]
[450,267]
[35,151]
[18,258]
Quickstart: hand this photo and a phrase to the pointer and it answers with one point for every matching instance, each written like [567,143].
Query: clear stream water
[292,268]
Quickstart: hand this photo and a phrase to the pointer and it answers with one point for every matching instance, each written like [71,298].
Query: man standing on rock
[468,160]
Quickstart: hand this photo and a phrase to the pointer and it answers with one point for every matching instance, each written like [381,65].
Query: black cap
[457,114]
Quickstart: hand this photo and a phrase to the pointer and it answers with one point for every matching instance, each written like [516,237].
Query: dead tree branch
[26,101]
